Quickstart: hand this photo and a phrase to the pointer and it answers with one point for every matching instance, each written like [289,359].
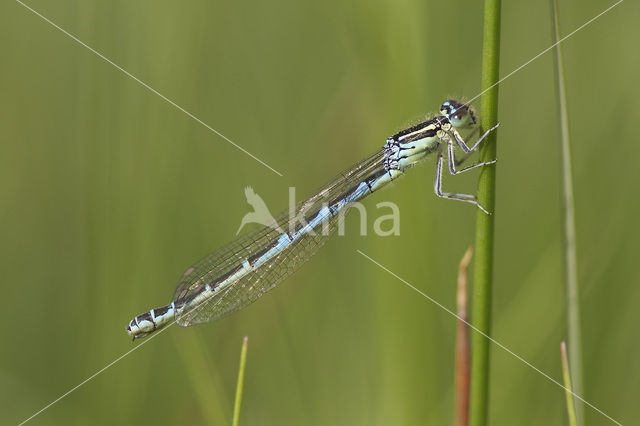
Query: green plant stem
[567,385]
[570,257]
[483,272]
[243,362]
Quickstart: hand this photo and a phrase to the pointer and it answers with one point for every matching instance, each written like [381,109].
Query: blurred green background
[108,193]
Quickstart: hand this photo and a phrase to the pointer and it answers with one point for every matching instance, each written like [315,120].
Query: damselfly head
[459,114]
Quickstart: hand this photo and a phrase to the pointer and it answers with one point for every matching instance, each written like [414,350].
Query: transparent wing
[266,276]
[249,288]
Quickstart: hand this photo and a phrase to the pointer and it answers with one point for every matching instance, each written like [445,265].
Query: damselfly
[245,269]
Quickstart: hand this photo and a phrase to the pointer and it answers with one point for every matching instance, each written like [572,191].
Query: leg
[453,162]
[463,145]
[452,196]
[468,154]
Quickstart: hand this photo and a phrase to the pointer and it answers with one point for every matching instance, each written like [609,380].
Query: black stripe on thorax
[425,129]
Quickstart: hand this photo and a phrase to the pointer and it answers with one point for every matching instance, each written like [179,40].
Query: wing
[250,287]
[284,263]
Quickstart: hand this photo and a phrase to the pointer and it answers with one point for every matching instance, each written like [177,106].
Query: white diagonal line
[97,373]
[545,51]
[151,89]
[491,339]
[275,171]
[93,376]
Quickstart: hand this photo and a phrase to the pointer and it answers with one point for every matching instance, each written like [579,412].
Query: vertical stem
[567,385]
[243,362]
[463,349]
[570,257]
[483,272]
